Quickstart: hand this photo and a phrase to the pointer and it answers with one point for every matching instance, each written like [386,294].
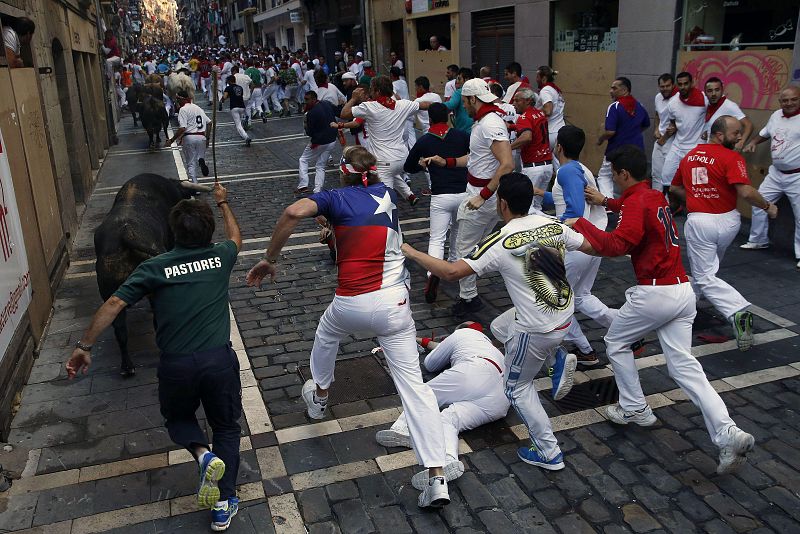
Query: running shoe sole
[567,377]
[743,327]
[392,438]
[208,493]
[452,471]
[746,446]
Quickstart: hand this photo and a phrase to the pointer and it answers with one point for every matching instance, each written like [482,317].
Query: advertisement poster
[15,287]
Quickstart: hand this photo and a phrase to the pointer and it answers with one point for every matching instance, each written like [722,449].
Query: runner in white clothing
[193,125]
[718,105]
[552,103]
[450,86]
[663,141]
[687,109]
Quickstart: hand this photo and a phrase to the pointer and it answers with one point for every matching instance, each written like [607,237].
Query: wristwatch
[87,348]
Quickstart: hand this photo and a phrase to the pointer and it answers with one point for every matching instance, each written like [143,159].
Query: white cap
[478,88]
[348,76]
[337,53]
[360,54]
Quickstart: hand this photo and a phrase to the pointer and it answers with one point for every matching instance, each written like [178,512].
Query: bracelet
[340,125]
[87,348]
[425,341]
[769,204]
[269,260]
[605,202]
[450,162]
[486,193]
[221,202]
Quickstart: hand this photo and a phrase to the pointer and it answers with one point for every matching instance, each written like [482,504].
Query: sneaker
[563,373]
[798,265]
[435,494]
[211,470]
[733,454]
[301,191]
[466,307]
[221,515]
[531,455]
[753,246]
[203,166]
[426,192]
[743,329]
[220,106]
[638,347]
[431,289]
[316,409]
[452,471]
[587,358]
[393,438]
[247,143]
[412,199]
[643,417]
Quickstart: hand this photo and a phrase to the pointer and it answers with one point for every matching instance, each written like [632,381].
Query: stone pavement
[98,458]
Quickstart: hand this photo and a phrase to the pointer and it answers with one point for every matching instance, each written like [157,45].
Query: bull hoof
[127,372]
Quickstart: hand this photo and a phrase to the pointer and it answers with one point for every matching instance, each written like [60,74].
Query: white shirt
[244,80]
[689,120]
[298,70]
[482,163]
[594,214]
[449,89]
[508,98]
[661,110]
[269,76]
[556,119]
[311,83]
[398,64]
[400,88]
[386,127]
[785,145]
[424,119]
[357,69]
[331,94]
[729,107]
[150,67]
[11,39]
[542,304]
[463,345]
[193,118]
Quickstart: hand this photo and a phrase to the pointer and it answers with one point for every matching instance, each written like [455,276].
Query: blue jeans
[210,377]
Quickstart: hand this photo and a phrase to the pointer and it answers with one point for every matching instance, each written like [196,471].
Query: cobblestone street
[94,456]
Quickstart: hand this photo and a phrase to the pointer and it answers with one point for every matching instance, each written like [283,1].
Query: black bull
[148,102]
[135,229]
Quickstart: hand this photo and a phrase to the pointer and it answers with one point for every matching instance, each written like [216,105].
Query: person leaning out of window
[19,32]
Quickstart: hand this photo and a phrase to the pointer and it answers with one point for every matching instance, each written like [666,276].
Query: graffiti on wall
[751,78]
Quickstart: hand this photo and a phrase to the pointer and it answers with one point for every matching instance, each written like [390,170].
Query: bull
[153,114]
[134,230]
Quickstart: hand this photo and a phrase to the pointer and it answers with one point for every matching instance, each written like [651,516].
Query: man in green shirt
[188,286]
[461,119]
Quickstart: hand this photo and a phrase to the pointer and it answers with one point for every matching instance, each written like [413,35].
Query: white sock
[202,457]
[222,504]
[320,400]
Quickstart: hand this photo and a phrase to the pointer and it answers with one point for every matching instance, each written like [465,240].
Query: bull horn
[197,187]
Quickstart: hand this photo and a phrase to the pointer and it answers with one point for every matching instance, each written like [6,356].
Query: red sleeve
[359,120]
[736,172]
[619,242]
[677,180]
[614,204]
[523,123]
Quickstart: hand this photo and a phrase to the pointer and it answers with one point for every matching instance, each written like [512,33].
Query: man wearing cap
[349,84]
[356,67]
[341,66]
[489,158]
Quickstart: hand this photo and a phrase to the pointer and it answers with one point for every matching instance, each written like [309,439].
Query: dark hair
[629,158]
[547,72]
[514,68]
[362,160]
[23,26]
[516,189]
[192,223]
[381,85]
[231,79]
[714,79]
[423,82]
[496,89]
[438,113]
[624,81]
[572,139]
[395,71]
[320,77]
[466,73]
[666,77]
[453,67]
[721,123]
[684,74]
[312,94]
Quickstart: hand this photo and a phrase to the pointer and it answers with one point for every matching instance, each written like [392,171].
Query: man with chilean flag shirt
[371,296]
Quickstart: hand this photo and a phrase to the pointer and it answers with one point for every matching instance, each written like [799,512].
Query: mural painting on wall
[751,78]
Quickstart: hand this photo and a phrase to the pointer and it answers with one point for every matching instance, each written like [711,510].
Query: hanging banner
[15,278]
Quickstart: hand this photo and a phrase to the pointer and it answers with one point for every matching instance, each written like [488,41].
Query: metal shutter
[493,40]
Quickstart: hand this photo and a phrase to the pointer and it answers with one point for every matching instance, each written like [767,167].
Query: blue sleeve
[611,118]
[412,161]
[324,201]
[547,201]
[572,183]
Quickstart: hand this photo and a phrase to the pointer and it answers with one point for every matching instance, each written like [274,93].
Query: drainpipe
[367,29]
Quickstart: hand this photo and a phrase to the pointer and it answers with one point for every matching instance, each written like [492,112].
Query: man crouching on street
[193,334]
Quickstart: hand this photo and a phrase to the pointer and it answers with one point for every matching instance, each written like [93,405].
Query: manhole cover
[357,379]
[591,394]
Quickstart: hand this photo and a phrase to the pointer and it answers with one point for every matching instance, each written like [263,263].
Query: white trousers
[271,95]
[238,115]
[470,394]
[121,97]
[385,313]
[194,148]
[473,225]
[319,157]
[410,134]
[553,135]
[112,62]
[444,212]
[670,311]
[391,174]
[775,185]
[256,99]
[526,352]
[605,182]
[195,79]
[657,166]
[205,86]
[708,235]
[581,273]
[301,95]
[671,163]
[540,178]
[503,327]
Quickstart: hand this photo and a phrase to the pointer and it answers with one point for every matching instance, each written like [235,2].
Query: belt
[791,171]
[477,182]
[537,163]
[493,363]
[195,133]
[665,281]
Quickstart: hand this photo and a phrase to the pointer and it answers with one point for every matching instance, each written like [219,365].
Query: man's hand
[662,140]
[259,271]
[220,193]
[407,250]
[475,202]
[359,95]
[593,196]
[423,162]
[671,129]
[167,143]
[570,222]
[538,192]
[439,161]
[739,146]
[751,147]
[772,210]
[79,361]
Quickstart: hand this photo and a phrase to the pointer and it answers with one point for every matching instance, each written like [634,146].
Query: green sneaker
[743,329]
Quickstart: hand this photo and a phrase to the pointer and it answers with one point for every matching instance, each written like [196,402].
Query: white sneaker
[798,264]
[643,417]
[753,246]
[393,438]
[452,471]
[733,454]
[435,494]
[315,410]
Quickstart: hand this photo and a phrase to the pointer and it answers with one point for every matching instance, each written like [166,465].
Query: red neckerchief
[550,84]
[674,91]
[421,92]
[695,98]
[386,101]
[485,110]
[629,103]
[785,116]
[323,85]
[712,108]
[439,129]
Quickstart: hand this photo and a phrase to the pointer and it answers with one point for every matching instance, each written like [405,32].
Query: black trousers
[209,377]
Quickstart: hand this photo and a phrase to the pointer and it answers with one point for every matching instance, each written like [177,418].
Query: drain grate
[592,394]
[357,379]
